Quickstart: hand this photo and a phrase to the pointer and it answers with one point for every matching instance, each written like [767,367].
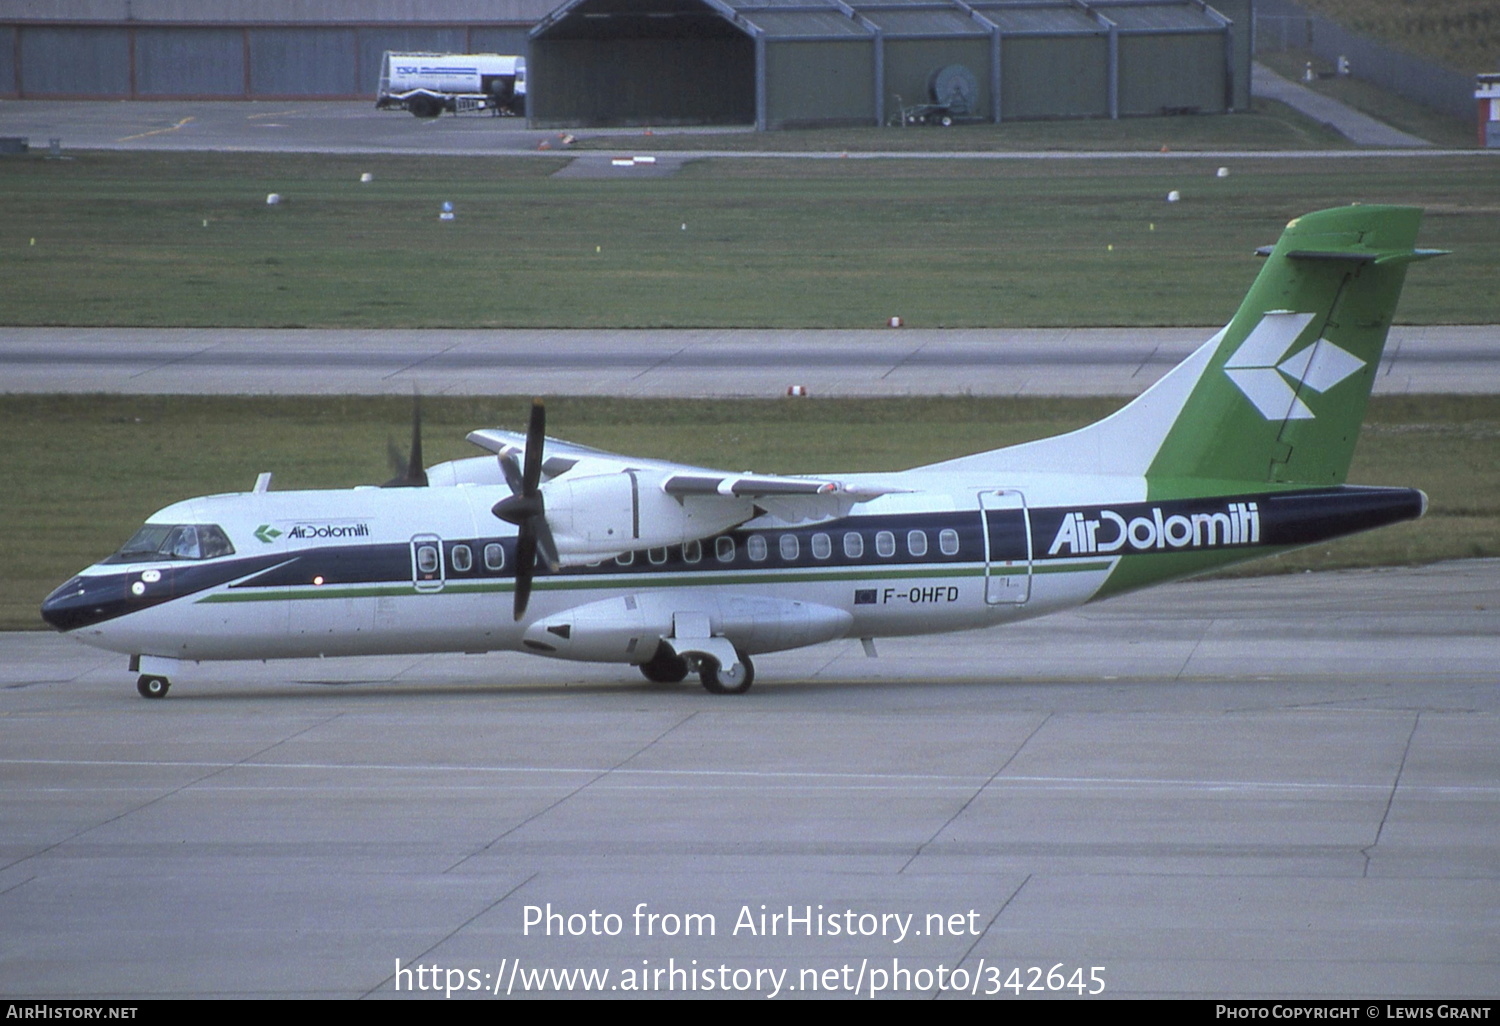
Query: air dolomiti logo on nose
[304,532]
[1261,369]
[1079,534]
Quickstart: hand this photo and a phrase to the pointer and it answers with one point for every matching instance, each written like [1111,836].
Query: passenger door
[1007,547]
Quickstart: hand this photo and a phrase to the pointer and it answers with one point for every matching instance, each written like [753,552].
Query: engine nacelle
[601,516]
[628,629]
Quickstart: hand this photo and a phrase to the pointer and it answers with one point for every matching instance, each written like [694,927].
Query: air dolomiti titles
[1108,531]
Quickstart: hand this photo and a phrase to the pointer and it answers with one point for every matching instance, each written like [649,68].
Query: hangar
[237,49]
[789,63]
[771,63]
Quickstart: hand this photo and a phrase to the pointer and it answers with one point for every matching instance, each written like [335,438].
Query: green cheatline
[636,582]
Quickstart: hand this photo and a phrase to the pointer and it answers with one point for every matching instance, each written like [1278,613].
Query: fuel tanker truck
[429,83]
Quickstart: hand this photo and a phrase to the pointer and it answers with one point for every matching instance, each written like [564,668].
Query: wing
[601,504]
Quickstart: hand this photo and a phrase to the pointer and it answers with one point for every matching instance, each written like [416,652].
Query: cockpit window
[174,541]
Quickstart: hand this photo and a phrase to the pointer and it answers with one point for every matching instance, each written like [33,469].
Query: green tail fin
[1281,398]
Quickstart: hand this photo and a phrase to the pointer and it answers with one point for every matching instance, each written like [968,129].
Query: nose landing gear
[151,686]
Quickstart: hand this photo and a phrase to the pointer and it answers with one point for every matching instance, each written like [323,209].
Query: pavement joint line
[164,795]
[1146,362]
[454,932]
[1390,800]
[419,362]
[661,362]
[975,794]
[171,361]
[539,813]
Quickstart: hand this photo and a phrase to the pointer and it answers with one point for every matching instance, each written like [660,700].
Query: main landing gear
[152,686]
[667,667]
[735,680]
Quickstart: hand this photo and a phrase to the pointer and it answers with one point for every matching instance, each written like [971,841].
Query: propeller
[409,472]
[527,509]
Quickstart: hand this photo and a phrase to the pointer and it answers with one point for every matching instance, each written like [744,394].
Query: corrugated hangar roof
[1158,17]
[842,19]
[796,19]
[1070,17]
[785,19]
[1040,20]
[930,21]
[1052,19]
[805,22]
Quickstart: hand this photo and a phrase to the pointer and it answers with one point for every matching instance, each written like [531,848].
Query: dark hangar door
[640,62]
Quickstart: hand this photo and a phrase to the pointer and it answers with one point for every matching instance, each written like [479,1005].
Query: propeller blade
[397,462]
[512,471]
[536,432]
[545,545]
[527,508]
[409,472]
[525,569]
[416,469]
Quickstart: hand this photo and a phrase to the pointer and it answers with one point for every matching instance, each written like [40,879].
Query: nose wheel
[152,687]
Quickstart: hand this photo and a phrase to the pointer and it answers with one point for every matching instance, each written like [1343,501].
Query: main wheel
[734,681]
[665,667]
[424,106]
[153,687]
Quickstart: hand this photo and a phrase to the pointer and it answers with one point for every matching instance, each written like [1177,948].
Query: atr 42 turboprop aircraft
[1240,451]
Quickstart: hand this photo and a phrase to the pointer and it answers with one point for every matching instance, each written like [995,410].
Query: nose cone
[83,601]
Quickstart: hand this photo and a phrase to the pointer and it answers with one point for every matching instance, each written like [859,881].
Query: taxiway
[1275,787]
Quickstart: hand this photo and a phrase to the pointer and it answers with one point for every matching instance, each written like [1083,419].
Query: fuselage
[372,571]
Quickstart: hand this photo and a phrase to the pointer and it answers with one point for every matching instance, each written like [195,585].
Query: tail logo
[1261,369]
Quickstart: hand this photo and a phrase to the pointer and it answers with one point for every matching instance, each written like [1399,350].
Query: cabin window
[790,547]
[427,558]
[692,552]
[724,550]
[657,556]
[463,558]
[757,547]
[916,543]
[625,558]
[494,556]
[174,541]
[822,546]
[854,545]
[948,541]
[885,543]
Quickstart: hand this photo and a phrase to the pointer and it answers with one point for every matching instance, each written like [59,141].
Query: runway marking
[697,775]
[270,114]
[157,131]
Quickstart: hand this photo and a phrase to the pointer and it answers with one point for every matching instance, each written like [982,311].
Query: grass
[178,239]
[1267,127]
[84,471]
[1393,109]
[1461,34]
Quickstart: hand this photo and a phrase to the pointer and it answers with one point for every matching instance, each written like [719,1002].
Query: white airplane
[573,553]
